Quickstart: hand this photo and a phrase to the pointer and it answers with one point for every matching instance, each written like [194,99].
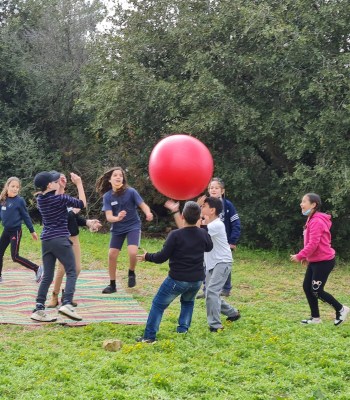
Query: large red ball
[180,167]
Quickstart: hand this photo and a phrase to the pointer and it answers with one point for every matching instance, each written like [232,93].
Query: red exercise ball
[180,167]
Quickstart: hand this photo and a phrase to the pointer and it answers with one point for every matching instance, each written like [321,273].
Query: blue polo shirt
[128,201]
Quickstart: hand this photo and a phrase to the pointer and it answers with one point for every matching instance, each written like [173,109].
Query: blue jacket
[231,220]
[13,212]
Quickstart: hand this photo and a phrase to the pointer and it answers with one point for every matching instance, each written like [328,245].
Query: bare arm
[76,179]
[147,211]
[111,218]
[174,207]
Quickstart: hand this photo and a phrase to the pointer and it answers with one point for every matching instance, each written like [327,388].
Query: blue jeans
[168,291]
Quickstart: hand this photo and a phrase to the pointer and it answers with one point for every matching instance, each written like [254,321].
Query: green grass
[267,354]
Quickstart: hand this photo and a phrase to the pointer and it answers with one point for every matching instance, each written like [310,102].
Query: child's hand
[121,215]
[293,257]
[34,235]
[93,224]
[149,217]
[75,179]
[141,257]
[200,200]
[172,205]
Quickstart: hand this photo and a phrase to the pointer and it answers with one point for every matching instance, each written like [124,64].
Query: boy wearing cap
[55,241]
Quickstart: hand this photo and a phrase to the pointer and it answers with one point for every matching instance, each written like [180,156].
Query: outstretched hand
[172,205]
[293,257]
[76,179]
[93,224]
[141,257]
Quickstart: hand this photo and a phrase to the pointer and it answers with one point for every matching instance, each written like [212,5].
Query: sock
[131,273]
[39,306]
[112,283]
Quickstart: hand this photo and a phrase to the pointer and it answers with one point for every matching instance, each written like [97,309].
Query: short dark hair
[191,212]
[214,202]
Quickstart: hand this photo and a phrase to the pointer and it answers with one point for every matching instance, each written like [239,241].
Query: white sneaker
[69,311]
[41,316]
[341,315]
[311,321]
[39,274]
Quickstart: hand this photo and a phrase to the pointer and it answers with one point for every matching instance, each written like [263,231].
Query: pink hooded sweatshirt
[317,239]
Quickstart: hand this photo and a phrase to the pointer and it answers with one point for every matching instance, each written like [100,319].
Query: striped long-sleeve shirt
[53,209]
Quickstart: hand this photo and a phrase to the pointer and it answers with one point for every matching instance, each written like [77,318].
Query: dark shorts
[133,239]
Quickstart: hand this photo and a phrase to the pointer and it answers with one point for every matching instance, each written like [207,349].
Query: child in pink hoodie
[320,259]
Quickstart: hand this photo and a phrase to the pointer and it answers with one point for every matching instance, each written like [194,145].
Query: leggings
[13,237]
[316,276]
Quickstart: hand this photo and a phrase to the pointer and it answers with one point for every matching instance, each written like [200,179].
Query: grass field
[267,354]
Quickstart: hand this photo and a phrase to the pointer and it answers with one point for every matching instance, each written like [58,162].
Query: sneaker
[200,296]
[69,311]
[234,317]
[39,274]
[311,321]
[109,289]
[216,329]
[225,293]
[141,339]
[131,280]
[41,316]
[341,315]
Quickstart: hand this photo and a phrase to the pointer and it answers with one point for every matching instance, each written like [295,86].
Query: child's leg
[214,282]
[58,278]
[321,271]
[227,286]
[311,298]
[187,305]
[133,239]
[15,242]
[4,242]
[112,263]
[115,245]
[49,261]
[167,292]
[64,252]
[77,253]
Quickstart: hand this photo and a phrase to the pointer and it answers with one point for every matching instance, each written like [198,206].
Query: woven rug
[18,292]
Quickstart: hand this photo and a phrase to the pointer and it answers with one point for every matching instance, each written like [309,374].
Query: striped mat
[18,293]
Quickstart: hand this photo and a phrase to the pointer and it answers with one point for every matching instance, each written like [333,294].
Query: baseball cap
[42,179]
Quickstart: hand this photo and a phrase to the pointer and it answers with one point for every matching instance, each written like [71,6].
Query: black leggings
[14,238]
[316,276]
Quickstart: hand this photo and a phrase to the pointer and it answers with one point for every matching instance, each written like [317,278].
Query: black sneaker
[141,339]
[216,329]
[131,280]
[234,317]
[109,289]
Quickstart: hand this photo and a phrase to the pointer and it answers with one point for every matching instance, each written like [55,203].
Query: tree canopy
[264,84]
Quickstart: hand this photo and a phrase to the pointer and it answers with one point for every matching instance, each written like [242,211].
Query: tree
[264,84]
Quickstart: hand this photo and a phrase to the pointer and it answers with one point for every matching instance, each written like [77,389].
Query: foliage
[264,84]
[267,354]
